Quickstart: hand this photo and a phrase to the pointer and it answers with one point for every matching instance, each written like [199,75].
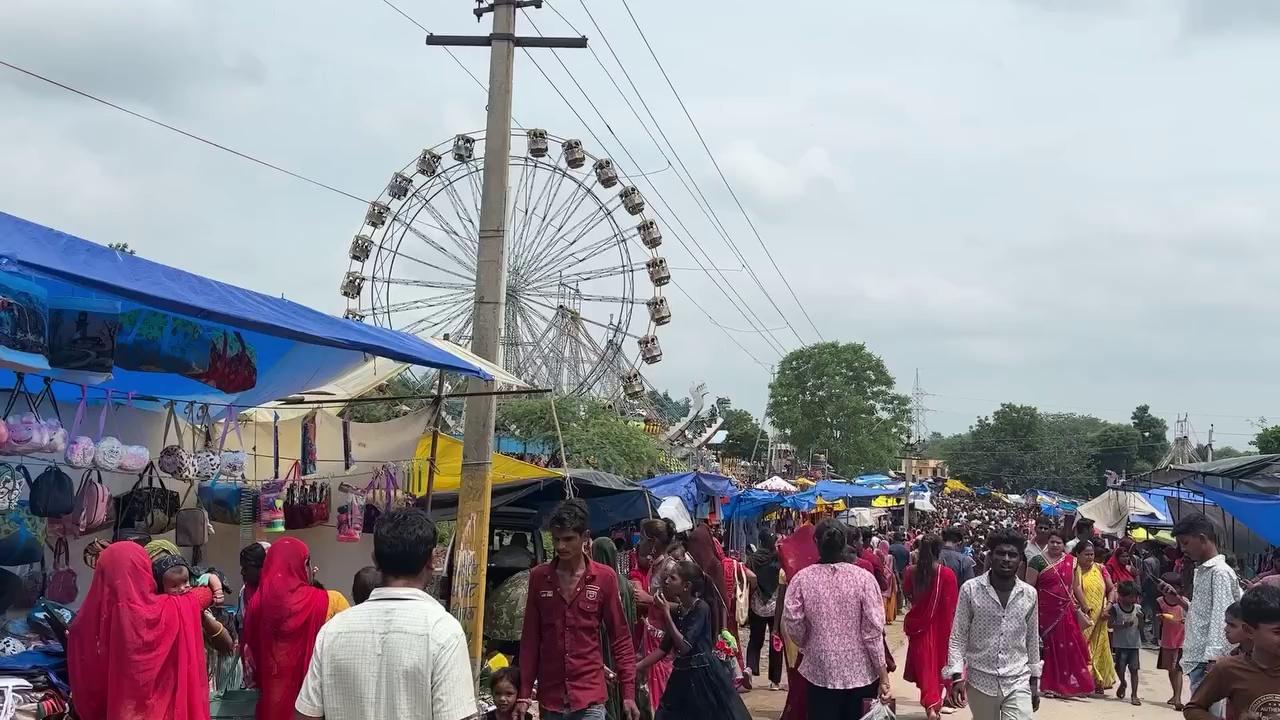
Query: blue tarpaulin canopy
[752,503]
[1255,511]
[690,487]
[179,335]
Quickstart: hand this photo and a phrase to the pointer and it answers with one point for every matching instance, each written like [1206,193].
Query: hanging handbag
[63,588]
[34,582]
[148,506]
[52,494]
[80,448]
[56,434]
[222,496]
[174,459]
[92,507]
[376,497]
[351,514]
[133,458]
[207,459]
[10,487]
[22,537]
[27,433]
[320,502]
[191,527]
[232,462]
[297,512]
[271,500]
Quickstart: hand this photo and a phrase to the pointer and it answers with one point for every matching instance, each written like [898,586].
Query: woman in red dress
[654,562]
[1067,667]
[934,594]
[796,553]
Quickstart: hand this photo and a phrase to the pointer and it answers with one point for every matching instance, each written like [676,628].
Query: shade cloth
[691,487]
[1257,512]
[1110,511]
[504,470]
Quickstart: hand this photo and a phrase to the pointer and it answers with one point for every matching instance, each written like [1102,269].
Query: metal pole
[435,439]
[475,494]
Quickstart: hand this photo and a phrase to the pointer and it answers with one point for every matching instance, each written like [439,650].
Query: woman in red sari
[1067,668]
[134,653]
[796,553]
[281,624]
[934,594]
[1120,564]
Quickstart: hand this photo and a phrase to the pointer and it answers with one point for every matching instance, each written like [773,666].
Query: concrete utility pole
[471,553]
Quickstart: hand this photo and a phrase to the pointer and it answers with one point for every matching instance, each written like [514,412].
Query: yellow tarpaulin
[955,486]
[1142,534]
[449,467]
[828,506]
[887,501]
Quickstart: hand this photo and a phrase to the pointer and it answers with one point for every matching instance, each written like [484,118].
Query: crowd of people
[1003,606]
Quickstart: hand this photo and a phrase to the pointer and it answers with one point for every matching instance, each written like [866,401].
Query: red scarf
[284,616]
[1119,571]
[134,653]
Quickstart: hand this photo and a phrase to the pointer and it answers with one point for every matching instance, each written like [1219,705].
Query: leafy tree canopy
[1267,441]
[840,398]
[668,409]
[1155,435]
[594,435]
[742,433]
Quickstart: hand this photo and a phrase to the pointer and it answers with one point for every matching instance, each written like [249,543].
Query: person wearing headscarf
[159,548]
[284,616]
[135,653]
[765,564]
[656,557]
[605,552]
[252,557]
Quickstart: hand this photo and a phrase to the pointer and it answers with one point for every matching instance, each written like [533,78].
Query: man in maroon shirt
[569,599]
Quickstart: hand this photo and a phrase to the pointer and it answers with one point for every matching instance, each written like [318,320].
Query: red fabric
[706,552]
[928,629]
[281,624]
[1119,572]
[869,561]
[560,642]
[134,653]
[1066,654]
[796,553]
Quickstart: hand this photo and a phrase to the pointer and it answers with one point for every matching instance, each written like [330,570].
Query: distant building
[926,468]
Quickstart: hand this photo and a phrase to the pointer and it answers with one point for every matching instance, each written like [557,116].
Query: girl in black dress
[700,687]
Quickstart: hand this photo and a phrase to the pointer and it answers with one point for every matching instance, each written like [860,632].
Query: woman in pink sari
[932,588]
[1067,668]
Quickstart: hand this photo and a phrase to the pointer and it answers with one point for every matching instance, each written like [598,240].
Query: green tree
[668,408]
[840,397]
[122,247]
[594,435]
[1116,448]
[1268,440]
[742,434]
[1155,435]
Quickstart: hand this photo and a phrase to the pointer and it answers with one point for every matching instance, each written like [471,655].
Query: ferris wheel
[577,241]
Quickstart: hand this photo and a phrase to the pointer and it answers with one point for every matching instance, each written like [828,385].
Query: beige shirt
[397,655]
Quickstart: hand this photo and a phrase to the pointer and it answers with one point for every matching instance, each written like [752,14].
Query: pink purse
[80,448]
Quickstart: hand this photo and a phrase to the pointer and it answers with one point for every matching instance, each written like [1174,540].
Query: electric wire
[720,172]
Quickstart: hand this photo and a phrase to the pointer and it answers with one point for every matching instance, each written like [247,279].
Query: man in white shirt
[1214,587]
[996,634]
[1083,530]
[399,654]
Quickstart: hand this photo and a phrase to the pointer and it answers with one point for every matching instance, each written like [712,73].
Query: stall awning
[184,336]
[690,486]
[504,471]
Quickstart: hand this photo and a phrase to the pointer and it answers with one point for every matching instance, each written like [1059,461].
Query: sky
[1066,204]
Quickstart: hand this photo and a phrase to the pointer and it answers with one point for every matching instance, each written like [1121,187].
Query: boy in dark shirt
[1249,683]
[1126,638]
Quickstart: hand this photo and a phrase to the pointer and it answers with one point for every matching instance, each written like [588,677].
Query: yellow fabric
[827,505]
[449,467]
[337,603]
[1095,600]
[955,486]
[497,662]
[1163,537]
[886,501]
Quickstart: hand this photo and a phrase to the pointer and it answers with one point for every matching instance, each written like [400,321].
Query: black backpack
[52,494]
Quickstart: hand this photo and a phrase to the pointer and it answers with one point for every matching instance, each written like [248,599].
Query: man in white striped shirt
[399,654]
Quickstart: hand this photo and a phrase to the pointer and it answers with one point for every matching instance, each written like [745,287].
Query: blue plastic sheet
[1254,511]
[752,503]
[189,337]
[690,487]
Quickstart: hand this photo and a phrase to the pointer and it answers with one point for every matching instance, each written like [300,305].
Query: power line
[743,306]
[184,133]
[720,172]
[700,199]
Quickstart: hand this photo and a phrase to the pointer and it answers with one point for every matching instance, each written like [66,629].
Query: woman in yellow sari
[1097,593]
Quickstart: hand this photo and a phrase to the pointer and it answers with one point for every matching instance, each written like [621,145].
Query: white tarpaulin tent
[776,484]
[1110,511]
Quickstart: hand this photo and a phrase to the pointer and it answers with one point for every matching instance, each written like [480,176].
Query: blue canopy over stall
[81,312]
[691,487]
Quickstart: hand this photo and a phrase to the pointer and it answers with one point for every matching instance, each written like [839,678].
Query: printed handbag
[297,513]
[191,527]
[34,582]
[271,500]
[63,588]
[351,514]
[174,459]
[56,444]
[232,462]
[10,487]
[149,505]
[93,506]
[52,494]
[222,499]
[22,537]
[80,448]
[321,503]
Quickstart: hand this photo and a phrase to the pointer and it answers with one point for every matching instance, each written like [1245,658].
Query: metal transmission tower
[472,556]
[1183,450]
[919,432]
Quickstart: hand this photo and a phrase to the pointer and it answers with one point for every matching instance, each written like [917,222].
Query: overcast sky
[1066,203]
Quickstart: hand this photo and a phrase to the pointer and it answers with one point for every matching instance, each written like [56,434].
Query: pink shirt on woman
[835,614]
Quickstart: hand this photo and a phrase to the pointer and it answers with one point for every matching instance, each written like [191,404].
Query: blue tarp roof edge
[26,246]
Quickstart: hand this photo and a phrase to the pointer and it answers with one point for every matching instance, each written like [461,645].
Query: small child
[1236,634]
[367,580]
[1126,639]
[504,684]
[1172,632]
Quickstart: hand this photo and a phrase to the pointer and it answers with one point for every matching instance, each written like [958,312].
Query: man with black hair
[1083,531]
[399,654]
[1250,684]
[996,635]
[955,558]
[570,598]
[1216,587]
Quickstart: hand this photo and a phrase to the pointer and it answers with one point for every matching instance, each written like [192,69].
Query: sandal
[1135,701]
